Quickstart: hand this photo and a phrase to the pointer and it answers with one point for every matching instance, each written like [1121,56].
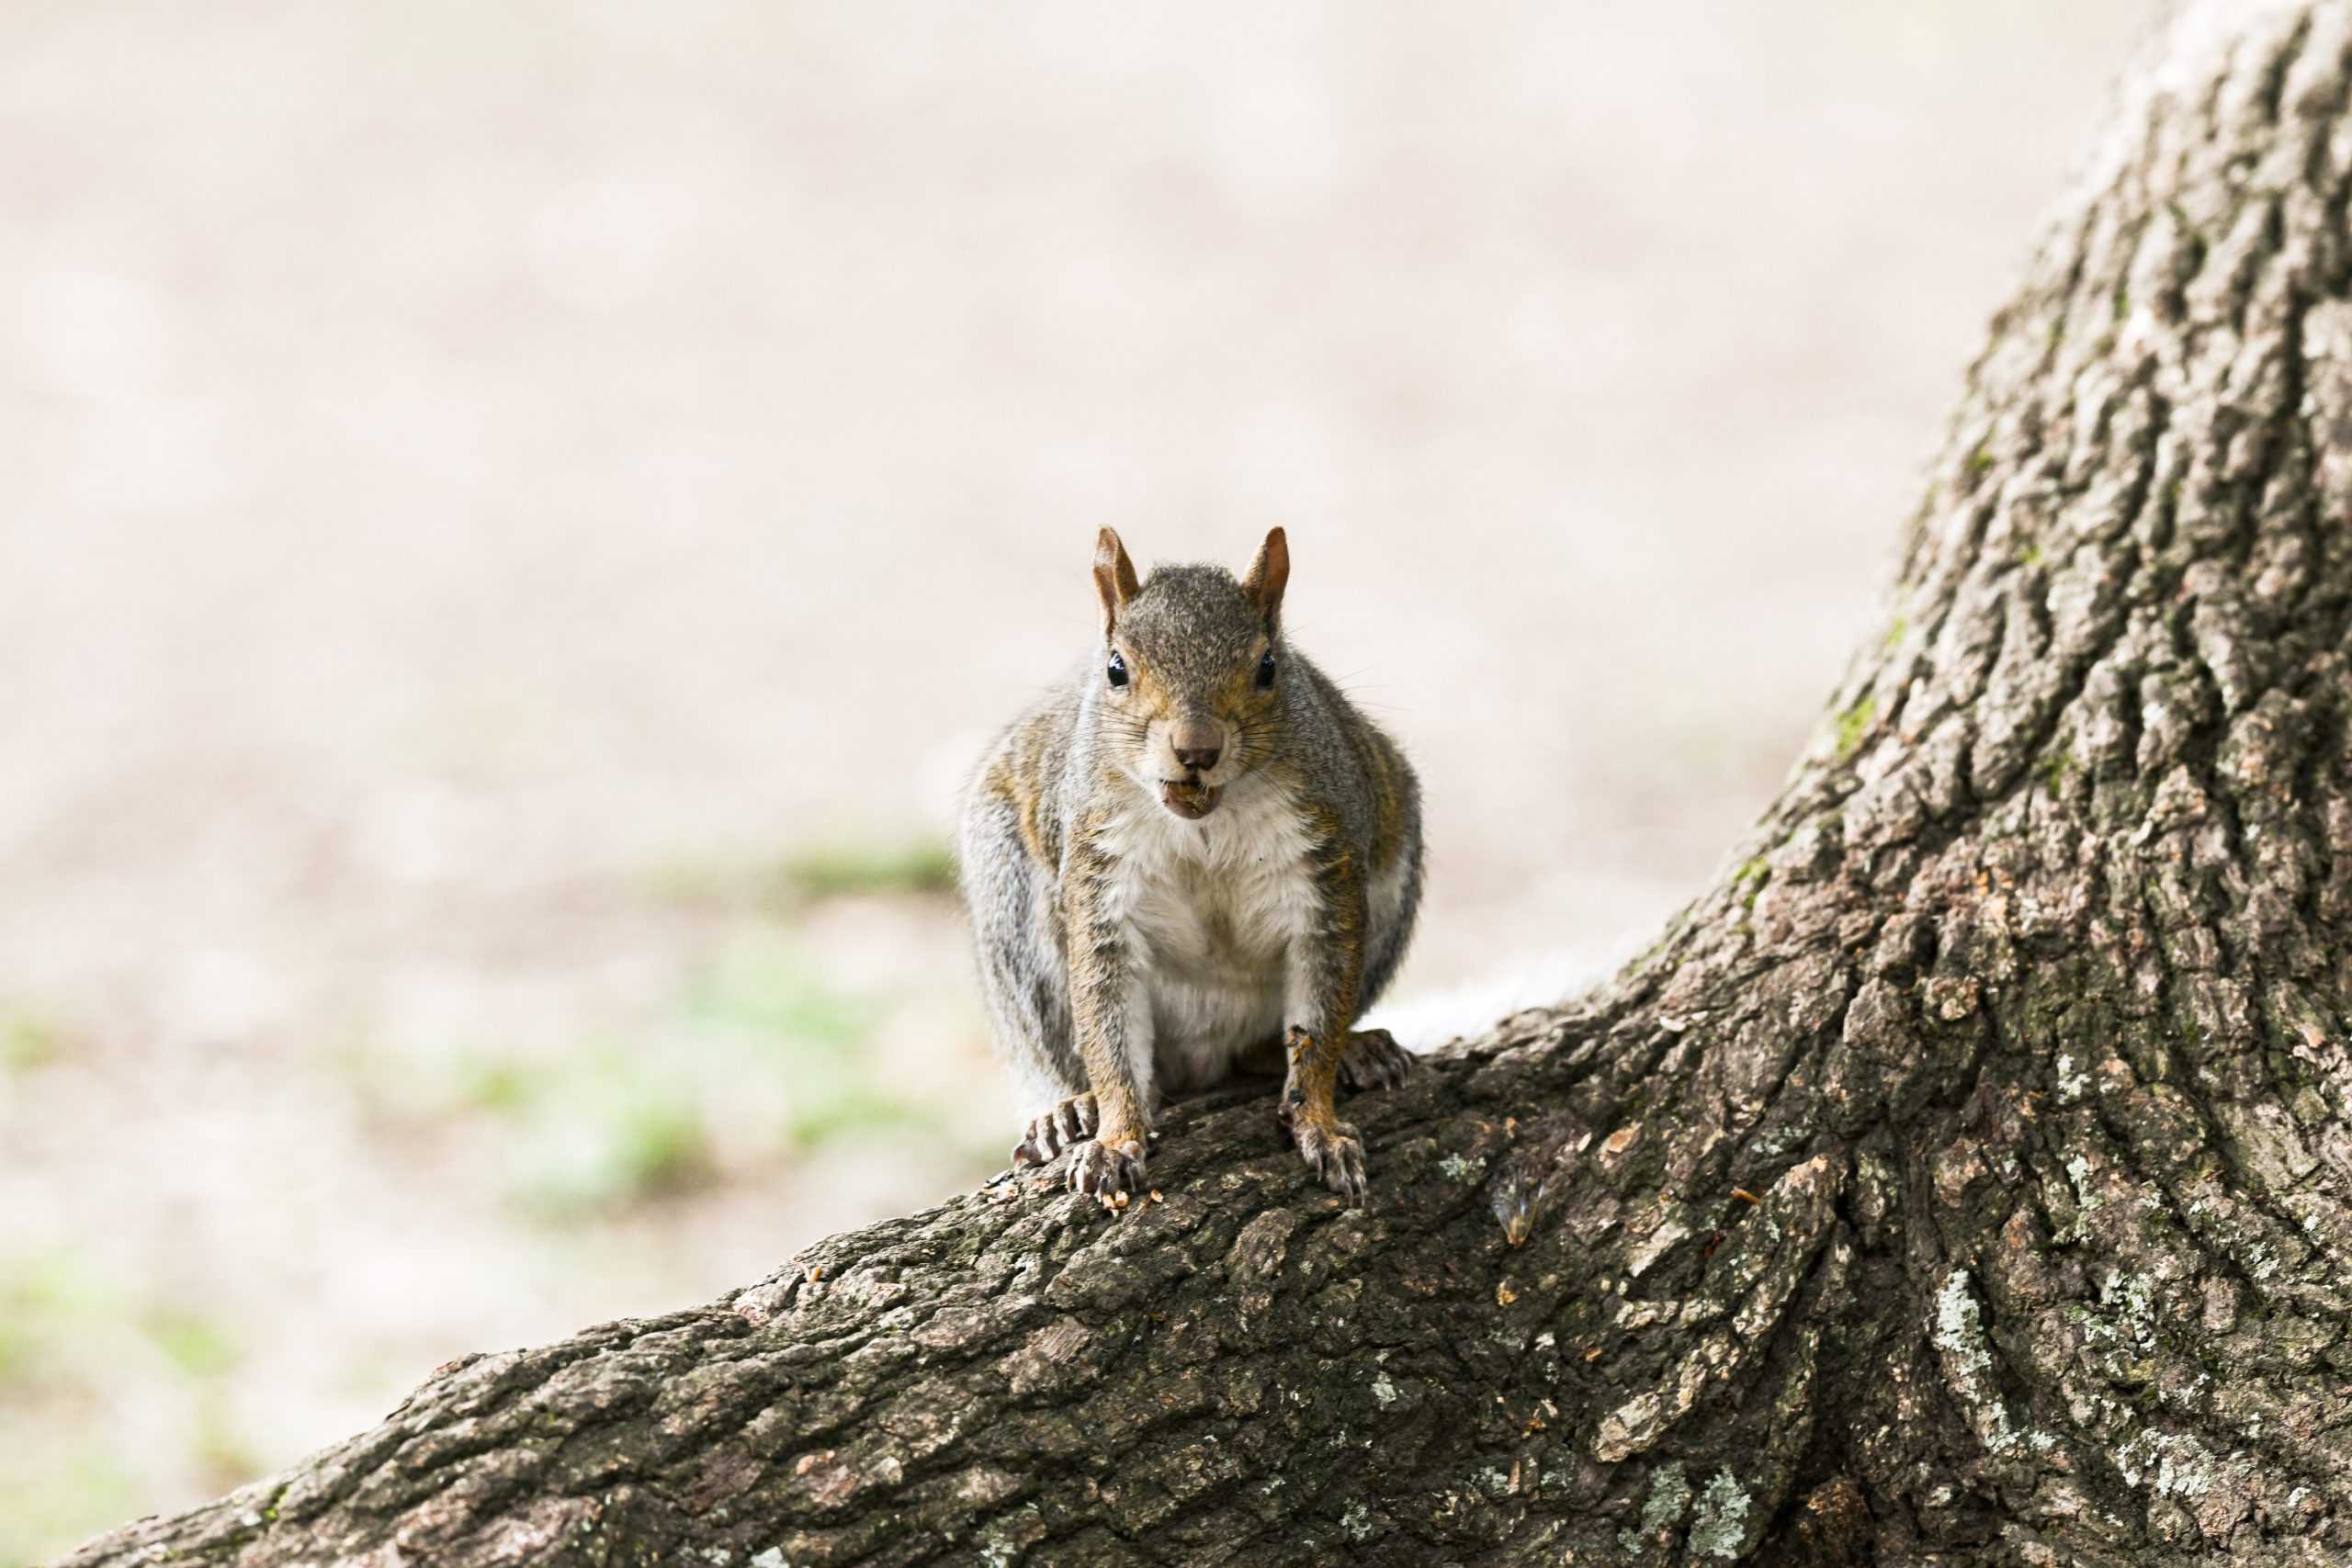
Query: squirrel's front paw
[1065,1126]
[1107,1166]
[1333,1149]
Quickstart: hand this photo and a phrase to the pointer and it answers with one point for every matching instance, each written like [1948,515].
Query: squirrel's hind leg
[1369,1059]
[1373,1059]
[1024,981]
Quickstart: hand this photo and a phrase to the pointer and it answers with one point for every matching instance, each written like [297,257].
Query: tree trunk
[1966,1178]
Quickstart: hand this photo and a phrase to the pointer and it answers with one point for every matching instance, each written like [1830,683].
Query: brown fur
[1101,1006]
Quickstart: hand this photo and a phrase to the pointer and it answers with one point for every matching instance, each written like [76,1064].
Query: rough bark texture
[1967,1177]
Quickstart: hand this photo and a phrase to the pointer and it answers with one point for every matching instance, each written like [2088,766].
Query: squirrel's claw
[1336,1154]
[1065,1126]
[1102,1168]
[1373,1060]
[1106,1169]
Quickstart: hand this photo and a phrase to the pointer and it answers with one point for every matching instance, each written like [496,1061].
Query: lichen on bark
[1967,1177]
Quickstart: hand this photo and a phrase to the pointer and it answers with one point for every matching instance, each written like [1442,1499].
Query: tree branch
[1966,1177]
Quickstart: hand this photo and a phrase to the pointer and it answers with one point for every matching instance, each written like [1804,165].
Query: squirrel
[1191,859]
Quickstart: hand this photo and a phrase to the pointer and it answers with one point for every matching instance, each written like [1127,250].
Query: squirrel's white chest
[1215,906]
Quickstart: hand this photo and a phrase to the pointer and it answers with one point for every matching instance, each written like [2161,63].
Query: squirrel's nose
[1198,743]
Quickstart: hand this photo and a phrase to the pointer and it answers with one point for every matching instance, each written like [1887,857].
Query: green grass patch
[608,1135]
[16,1348]
[764,995]
[500,1085]
[835,871]
[419,1082]
[56,1494]
[660,1148]
[197,1346]
[67,1333]
[44,1302]
[627,1123]
[27,1043]
[850,1109]
[915,866]
[759,982]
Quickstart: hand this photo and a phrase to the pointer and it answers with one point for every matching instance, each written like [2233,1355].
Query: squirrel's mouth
[1191,799]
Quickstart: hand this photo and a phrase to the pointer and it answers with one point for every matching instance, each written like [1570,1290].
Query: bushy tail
[1424,1020]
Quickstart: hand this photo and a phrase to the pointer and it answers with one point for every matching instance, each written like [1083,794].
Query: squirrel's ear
[1115,577]
[1269,575]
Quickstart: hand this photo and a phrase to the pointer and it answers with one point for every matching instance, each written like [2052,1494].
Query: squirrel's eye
[1266,669]
[1118,670]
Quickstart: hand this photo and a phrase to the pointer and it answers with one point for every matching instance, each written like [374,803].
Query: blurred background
[516,518]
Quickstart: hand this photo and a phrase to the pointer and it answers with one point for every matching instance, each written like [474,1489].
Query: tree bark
[1966,1178]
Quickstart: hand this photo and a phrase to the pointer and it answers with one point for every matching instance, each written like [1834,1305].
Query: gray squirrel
[1192,858]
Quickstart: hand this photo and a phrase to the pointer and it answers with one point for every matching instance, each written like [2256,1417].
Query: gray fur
[1085,762]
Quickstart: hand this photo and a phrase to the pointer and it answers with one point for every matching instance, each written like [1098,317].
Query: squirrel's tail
[1424,1020]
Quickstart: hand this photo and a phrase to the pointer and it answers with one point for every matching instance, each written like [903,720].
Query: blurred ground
[518,516]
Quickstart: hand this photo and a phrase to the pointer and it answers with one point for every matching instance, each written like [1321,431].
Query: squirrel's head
[1191,671]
